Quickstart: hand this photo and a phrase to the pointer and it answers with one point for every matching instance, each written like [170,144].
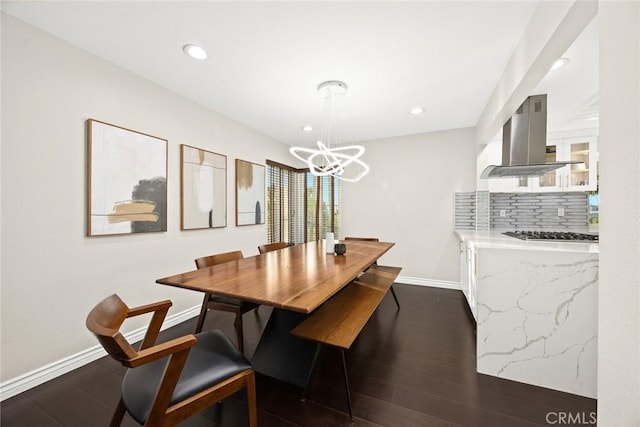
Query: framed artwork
[250,188]
[127,181]
[203,196]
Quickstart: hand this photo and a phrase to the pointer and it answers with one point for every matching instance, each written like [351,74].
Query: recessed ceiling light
[194,51]
[559,63]
[416,110]
[307,128]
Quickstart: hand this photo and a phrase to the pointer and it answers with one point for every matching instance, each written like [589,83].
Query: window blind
[301,207]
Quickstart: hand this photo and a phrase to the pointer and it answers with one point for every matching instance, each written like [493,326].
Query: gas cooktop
[563,236]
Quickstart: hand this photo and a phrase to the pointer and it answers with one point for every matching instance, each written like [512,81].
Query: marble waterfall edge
[537,318]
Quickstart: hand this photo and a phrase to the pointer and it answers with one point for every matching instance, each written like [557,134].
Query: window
[301,207]
[285,204]
[323,202]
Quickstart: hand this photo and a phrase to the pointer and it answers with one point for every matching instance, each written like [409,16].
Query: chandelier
[333,157]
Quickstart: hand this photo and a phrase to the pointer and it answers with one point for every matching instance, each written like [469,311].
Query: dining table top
[298,278]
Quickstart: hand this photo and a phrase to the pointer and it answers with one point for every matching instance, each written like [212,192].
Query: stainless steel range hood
[524,143]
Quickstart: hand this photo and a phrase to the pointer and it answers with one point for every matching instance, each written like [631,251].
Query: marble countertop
[495,239]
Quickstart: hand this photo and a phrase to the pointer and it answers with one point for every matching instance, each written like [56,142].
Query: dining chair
[374,239]
[169,382]
[222,303]
[272,247]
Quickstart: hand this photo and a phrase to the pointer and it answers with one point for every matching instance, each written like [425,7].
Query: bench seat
[338,322]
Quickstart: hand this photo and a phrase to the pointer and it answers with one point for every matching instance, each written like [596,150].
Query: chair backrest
[272,247]
[216,259]
[104,321]
[363,239]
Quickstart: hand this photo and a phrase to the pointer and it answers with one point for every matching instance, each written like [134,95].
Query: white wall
[407,198]
[619,148]
[51,273]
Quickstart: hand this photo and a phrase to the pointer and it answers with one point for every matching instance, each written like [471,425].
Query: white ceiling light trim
[332,157]
[195,51]
[559,63]
[416,111]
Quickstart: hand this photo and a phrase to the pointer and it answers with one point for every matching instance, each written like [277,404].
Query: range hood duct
[524,143]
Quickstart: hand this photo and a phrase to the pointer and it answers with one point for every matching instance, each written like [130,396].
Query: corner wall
[51,273]
[619,149]
[407,198]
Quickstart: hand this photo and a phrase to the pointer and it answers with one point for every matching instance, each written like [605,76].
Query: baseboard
[41,375]
[429,282]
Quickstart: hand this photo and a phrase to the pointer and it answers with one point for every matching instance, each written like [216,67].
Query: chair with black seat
[169,382]
[272,247]
[374,239]
[222,303]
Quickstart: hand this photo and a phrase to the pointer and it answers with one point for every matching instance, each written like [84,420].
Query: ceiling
[267,58]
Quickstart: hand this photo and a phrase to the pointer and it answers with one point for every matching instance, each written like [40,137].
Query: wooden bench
[338,322]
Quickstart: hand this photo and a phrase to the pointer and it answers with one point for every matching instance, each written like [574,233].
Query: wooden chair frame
[105,320]
[209,304]
[272,247]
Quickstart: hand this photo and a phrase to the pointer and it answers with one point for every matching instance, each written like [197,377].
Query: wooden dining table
[297,278]
[295,281]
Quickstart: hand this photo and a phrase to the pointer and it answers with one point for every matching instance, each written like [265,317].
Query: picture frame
[126,181]
[250,193]
[203,195]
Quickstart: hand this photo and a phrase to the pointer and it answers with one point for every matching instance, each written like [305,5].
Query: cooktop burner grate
[564,236]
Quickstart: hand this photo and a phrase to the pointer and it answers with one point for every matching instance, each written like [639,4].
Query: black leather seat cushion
[213,359]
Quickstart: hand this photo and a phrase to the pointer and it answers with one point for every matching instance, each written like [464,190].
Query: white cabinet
[464,271]
[468,274]
[575,177]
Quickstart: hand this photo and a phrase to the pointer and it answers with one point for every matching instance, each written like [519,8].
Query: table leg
[281,355]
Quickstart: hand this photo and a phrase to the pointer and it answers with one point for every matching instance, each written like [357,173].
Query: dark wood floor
[413,367]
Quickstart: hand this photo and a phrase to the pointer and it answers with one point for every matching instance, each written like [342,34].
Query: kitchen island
[535,304]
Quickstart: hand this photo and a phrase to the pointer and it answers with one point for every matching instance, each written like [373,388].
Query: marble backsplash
[530,211]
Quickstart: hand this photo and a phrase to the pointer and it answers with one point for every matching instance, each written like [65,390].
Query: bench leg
[303,397]
[346,384]
[344,371]
[393,292]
